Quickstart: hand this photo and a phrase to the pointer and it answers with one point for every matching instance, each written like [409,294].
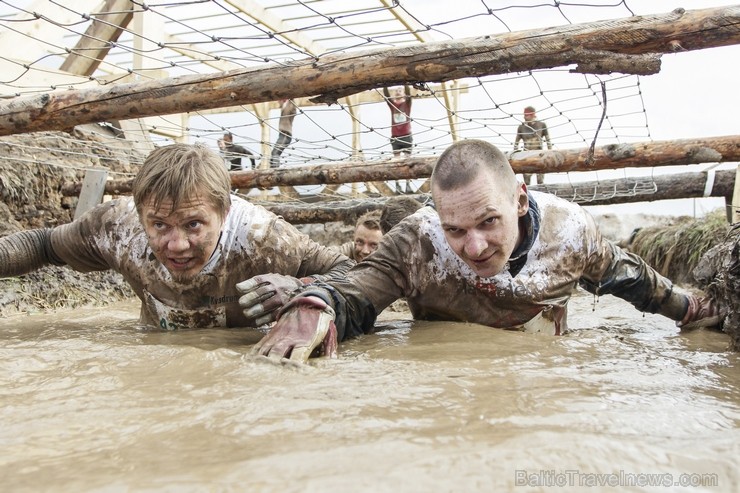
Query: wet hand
[304,326]
[702,312]
[263,295]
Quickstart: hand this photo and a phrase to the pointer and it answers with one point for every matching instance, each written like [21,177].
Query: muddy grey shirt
[414,261]
[532,134]
[253,241]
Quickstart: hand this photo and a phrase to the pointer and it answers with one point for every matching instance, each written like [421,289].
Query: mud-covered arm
[371,285]
[546,135]
[614,271]
[518,137]
[354,312]
[26,251]
[318,262]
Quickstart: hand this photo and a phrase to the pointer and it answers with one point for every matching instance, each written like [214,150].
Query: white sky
[694,95]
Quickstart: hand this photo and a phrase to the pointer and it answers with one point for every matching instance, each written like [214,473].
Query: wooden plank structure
[631,45]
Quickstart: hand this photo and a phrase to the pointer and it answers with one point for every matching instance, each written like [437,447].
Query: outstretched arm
[546,136]
[627,276]
[26,251]
[264,295]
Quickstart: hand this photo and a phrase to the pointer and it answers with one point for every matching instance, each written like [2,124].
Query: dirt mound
[718,273]
[675,250]
[33,169]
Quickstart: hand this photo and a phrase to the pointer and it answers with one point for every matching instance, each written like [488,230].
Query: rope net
[61,51]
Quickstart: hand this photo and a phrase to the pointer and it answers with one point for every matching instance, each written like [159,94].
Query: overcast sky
[694,95]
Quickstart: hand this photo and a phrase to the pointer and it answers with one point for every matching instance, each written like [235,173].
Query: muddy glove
[304,325]
[264,295]
[702,312]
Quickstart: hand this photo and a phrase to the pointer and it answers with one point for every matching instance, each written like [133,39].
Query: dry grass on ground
[675,250]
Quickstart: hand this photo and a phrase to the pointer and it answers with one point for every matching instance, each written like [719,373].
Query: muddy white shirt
[253,241]
[564,249]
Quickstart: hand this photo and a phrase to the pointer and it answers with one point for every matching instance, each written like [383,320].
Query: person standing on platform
[401,138]
[532,134]
[288,111]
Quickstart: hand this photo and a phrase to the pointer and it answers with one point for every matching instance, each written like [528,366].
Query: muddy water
[90,402]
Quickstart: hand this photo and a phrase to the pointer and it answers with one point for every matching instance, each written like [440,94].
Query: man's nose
[177,240]
[475,244]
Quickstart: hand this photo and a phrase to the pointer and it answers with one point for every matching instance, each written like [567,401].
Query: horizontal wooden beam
[613,156]
[628,45]
[602,192]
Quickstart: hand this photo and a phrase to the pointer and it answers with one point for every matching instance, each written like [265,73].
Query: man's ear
[522,200]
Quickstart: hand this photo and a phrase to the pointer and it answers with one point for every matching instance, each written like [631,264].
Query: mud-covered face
[184,239]
[481,222]
[529,115]
[366,241]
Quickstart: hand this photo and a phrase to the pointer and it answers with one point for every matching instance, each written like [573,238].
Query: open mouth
[180,263]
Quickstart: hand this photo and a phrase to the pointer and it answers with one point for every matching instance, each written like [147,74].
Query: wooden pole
[628,45]
[604,192]
[641,154]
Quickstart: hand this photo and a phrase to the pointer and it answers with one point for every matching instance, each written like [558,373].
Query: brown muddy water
[90,402]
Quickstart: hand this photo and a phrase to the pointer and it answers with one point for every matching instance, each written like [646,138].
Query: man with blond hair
[190,250]
[365,238]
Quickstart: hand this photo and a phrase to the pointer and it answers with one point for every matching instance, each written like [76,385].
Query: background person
[492,253]
[399,102]
[288,111]
[184,244]
[366,237]
[532,134]
[234,153]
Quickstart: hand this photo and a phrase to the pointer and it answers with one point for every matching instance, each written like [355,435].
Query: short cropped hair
[529,109]
[395,210]
[179,172]
[370,219]
[462,162]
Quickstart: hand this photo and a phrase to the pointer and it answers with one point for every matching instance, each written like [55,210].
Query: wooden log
[603,192]
[99,38]
[641,154]
[635,189]
[621,44]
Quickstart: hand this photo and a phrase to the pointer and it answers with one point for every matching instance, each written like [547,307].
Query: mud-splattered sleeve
[370,286]
[78,243]
[612,270]
[317,261]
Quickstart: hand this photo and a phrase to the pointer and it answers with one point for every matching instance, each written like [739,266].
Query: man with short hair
[365,238]
[532,133]
[195,255]
[492,253]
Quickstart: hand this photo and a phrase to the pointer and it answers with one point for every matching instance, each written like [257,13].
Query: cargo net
[76,46]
